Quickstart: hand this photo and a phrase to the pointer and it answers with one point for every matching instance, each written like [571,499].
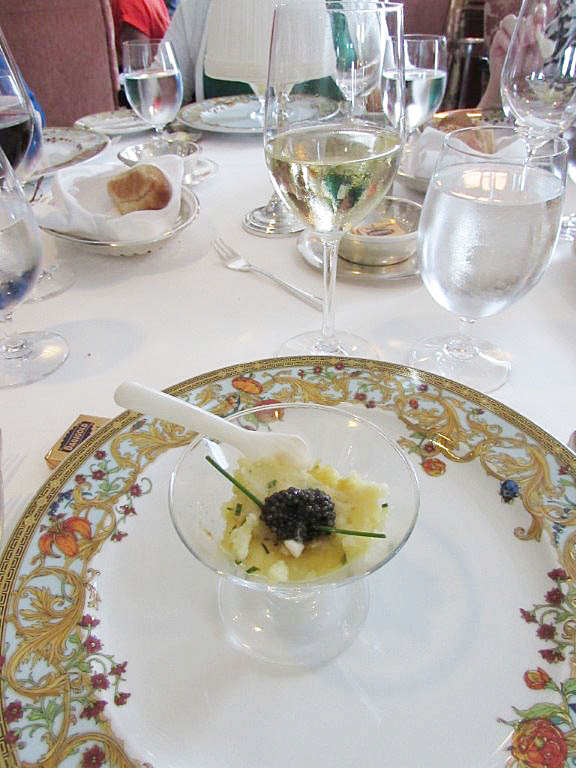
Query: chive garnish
[252,569]
[238,509]
[260,504]
[265,548]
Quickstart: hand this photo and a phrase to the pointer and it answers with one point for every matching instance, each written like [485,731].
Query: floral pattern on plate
[60,684]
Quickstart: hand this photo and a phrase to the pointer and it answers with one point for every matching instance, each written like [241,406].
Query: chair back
[65,51]
[426,17]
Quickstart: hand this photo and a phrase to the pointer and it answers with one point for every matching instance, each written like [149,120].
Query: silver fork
[233,260]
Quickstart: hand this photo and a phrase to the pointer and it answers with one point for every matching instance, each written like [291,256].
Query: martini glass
[314,619]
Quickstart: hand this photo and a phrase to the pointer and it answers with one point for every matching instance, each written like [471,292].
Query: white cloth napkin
[82,206]
[421,156]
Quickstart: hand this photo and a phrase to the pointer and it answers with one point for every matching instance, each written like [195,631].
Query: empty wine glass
[152,81]
[332,170]
[24,357]
[425,61]
[487,230]
[236,49]
[538,83]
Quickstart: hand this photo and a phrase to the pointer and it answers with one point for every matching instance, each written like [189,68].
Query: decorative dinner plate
[446,122]
[112,649]
[65,147]
[120,122]
[310,247]
[189,210]
[241,113]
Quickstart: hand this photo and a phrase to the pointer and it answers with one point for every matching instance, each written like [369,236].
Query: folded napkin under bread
[82,206]
[421,155]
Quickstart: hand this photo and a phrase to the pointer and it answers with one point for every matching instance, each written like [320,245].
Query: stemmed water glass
[24,357]
[538,82]
[487,230]
[426,63]
[21,140]
[152,81]
[331,171]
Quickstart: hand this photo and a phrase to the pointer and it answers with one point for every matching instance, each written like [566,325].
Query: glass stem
[462,347]
[328,342]
[12,346]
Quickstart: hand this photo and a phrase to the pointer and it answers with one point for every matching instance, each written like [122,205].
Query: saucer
[310,248]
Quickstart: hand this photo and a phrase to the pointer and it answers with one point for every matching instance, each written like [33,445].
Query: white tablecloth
[177,312]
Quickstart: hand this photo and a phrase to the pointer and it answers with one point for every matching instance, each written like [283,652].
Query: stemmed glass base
[28,357]
[272,220]
[343,344]
[293,627]
[478,363]
[51,282]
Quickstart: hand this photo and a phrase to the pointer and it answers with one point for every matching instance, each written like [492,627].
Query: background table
[172,314]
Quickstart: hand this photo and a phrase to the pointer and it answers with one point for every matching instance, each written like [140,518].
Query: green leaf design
[35,713]
[543,710]
[569,687]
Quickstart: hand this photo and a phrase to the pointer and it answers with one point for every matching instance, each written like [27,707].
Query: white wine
[486,234]
[154,95]
[332,176]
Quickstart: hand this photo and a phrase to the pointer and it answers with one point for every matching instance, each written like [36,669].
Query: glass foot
[51,282]
[345,344]
[272,220]
[28,357]
[486,368]
[293,627]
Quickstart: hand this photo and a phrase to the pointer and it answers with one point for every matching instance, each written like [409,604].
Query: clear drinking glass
[21,140]
[426,63]
[314,618]
[24,357]
[487,230]
[538,82]
[332,170]
[152,81]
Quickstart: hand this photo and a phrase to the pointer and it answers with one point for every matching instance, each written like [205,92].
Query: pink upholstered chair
[428,17]
[65,50]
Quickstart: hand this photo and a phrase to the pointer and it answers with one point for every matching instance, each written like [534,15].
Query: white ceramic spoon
[254,445]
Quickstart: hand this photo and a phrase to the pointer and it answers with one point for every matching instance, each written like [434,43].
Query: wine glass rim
[560,144]
[333,6]
[424,36]
[330,579]
[145,43]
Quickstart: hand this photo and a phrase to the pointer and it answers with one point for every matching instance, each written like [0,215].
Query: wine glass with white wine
[332,171]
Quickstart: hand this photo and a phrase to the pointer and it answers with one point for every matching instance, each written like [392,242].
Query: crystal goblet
[313,619]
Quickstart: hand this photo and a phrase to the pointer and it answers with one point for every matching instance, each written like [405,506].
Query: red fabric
[150,17]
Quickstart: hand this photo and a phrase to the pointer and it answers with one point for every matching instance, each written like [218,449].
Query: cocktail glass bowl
[305,622]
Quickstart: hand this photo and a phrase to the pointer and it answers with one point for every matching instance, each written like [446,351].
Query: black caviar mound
[301,514]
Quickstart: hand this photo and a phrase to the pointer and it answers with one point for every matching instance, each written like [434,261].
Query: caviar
[301,514]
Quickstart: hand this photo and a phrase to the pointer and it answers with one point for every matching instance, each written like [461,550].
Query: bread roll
[143,188]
